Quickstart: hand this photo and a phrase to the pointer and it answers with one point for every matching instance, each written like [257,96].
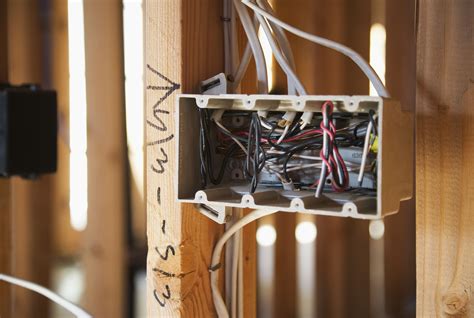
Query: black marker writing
[168,249]
[160,162]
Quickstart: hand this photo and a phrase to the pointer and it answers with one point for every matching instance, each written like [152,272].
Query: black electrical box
[28,131]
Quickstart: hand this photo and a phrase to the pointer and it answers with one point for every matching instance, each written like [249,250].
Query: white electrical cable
[283,135]
[262,80]
[74,309]
[240,295]
[234,42]
[235,272]
[242,68]
[230,135]
[353,55]
[279,34]
[283,43]
[280,58]
[226,17]
[365,152]
[219,303]
[286,49]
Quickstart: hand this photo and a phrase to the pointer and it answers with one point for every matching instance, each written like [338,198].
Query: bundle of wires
[205,153]
[262,150]
[255,154]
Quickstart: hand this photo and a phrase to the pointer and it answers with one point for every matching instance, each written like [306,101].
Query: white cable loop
[74,309]
[219,303]
[262,82]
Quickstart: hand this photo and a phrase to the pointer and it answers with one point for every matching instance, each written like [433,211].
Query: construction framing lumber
[445,158]
[104,237]
[29,198]
[399,238]
[184,45]
[5,209]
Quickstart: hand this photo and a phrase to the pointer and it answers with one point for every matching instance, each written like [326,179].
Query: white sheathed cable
[354,56]
[235,272]
[242,68]
[282,41]
[219,303]
[240,294]
[262,80]
[283,135]
[233,138]
[279,34]
[365,152]
[293,80]
[227,37]
[280,58]
[234,43]
[72,308]
[284,44]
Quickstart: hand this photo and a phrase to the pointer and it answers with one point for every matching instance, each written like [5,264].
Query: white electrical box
[287,157]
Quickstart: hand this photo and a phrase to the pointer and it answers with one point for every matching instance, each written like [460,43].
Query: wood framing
[30,199]
[183,47]
[5,209]
[399,238]
[445,158]
[5,246]
[66,239]
[104,237]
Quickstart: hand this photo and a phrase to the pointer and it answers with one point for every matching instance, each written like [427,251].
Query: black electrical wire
[205,154]
[372,120]
[294,151]
[256,157]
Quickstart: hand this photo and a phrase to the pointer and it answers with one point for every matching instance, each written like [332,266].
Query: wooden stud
[31,199]
[445,158]
[399,238]
[284,285]
[104,237]
[5,247]
[249,252]
[5,214]
[66,239]
[3,41]
[183,46]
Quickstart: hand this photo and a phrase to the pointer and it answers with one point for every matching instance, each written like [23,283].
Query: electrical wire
[353,55]
[219,303]
[226,18]
[69,306]
[282,61]
[262,80]
[235,272]
[205,153]
[364,154]
[242,68]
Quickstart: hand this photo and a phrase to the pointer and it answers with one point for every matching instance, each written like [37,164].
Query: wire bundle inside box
[335,152]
